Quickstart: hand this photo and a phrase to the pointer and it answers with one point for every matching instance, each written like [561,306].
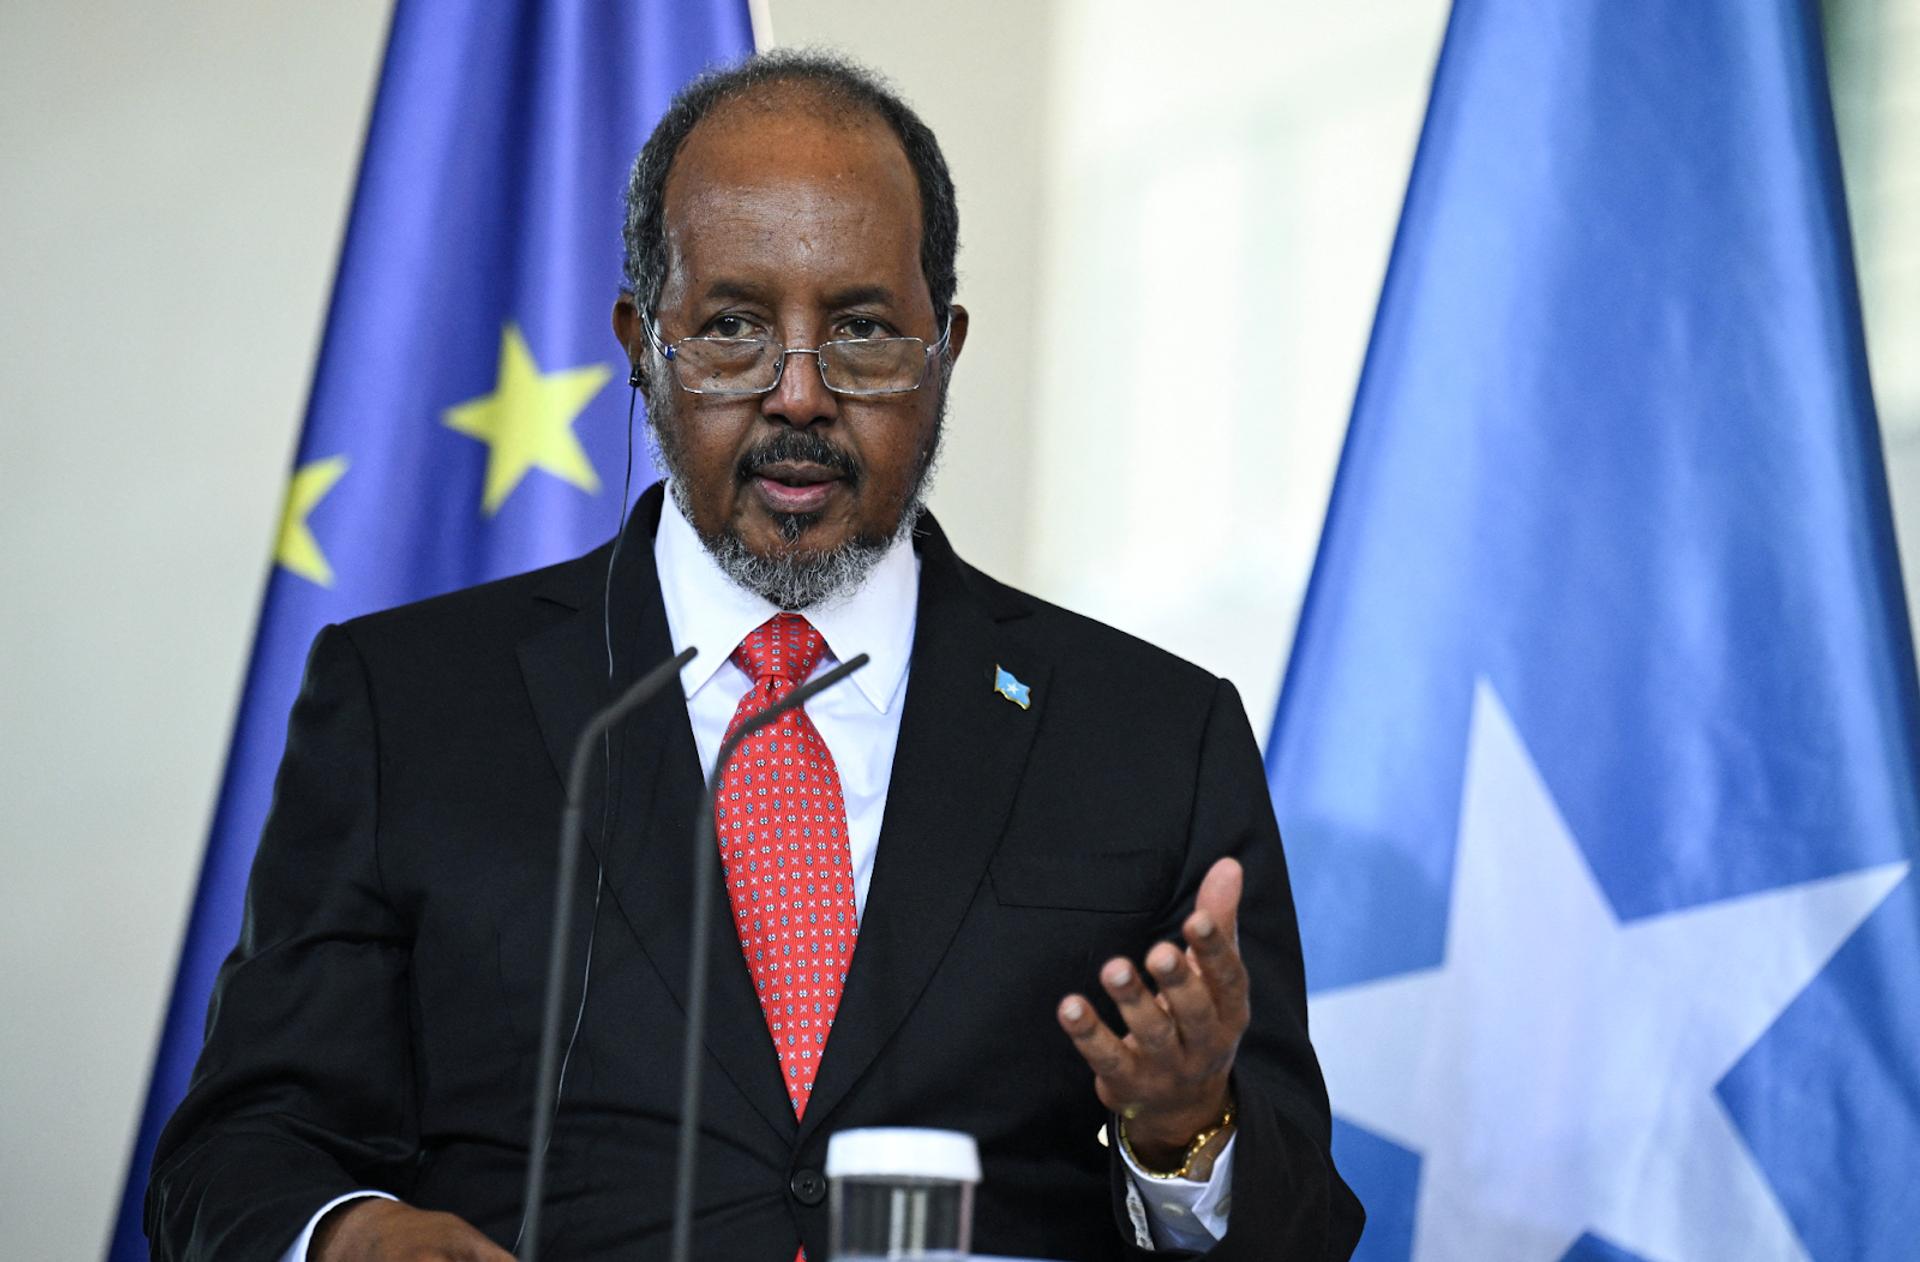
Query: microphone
[599,725]
[706,848]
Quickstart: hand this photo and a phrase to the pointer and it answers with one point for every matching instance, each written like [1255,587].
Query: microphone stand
[706,846]
[634,697]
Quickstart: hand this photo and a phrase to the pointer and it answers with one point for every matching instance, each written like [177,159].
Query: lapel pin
[1012,689]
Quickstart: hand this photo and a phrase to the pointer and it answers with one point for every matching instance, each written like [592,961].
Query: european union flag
[1597,752]
[468,412]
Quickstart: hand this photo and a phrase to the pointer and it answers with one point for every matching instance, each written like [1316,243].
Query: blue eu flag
[469,408]
[1597,752]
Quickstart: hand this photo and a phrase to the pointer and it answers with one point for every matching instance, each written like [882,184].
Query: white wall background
[175,181]
[1222,192]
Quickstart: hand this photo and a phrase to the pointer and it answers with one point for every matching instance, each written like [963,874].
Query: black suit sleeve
[303,1090]
[1288,1202]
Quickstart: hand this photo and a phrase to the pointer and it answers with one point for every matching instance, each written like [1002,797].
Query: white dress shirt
[860,722]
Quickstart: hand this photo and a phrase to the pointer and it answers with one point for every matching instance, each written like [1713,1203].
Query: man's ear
[956,331]
[631,330]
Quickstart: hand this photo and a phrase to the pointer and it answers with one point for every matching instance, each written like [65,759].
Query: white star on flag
[1556,1074]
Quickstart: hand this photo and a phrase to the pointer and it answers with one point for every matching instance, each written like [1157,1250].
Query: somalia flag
[1597,751]
[468,416]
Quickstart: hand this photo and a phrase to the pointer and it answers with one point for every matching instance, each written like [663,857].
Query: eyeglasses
[752,365]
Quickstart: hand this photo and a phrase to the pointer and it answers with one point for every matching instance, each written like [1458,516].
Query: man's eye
[860,328]
[729,326]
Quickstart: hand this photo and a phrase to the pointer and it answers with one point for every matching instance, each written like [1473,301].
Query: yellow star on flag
[528,421]
[296,548]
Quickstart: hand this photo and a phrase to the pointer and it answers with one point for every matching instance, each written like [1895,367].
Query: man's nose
[801,396]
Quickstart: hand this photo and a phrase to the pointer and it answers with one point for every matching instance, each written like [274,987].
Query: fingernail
[1166,966]
[1119,975]
[1072,1010]
[1203,926]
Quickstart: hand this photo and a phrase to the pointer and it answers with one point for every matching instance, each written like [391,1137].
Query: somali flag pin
[1012,689]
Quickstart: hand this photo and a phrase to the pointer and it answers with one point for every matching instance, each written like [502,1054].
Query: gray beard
[797,578]
[803,579]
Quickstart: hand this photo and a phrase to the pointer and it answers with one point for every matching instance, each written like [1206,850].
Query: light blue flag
[1597,752]
[468,417]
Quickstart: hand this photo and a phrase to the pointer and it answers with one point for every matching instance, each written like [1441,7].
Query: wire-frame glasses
[752,365]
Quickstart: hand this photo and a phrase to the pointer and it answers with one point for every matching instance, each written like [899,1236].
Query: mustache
[799,446]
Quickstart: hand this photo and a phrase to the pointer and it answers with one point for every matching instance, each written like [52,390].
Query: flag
[1596,754]
[468,412]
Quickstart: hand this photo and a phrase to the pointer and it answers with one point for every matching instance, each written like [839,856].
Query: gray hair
[833,81]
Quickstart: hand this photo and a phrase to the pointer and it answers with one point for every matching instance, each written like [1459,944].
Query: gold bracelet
[1200,1141]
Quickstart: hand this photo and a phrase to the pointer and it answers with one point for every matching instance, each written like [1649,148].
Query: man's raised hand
[1168,1076]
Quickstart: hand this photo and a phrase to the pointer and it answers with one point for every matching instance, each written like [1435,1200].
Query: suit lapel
[960,756]
[647,855]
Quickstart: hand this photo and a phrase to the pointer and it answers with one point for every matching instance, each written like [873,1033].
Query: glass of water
[902,1192]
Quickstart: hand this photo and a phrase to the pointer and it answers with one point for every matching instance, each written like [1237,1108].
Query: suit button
[809,1187]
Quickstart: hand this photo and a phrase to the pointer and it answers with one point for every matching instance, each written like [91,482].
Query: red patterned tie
[783,845]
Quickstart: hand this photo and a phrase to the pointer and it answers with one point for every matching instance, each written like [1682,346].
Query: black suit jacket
[376,1026]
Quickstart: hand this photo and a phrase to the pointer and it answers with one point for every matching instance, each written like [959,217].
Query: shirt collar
[707,609]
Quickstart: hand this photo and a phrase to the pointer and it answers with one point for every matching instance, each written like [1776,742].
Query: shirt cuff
[1183,1213]
[298,1253]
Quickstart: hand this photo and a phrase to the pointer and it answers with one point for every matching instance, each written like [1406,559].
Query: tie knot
[785,646]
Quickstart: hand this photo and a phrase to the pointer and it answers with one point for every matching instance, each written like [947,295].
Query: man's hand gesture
[1168,1078]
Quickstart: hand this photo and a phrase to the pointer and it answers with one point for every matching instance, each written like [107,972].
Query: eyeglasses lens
[713,365]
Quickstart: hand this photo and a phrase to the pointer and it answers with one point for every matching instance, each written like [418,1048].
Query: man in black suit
[1013,801]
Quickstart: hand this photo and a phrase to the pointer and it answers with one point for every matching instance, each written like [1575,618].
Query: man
[926,868]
